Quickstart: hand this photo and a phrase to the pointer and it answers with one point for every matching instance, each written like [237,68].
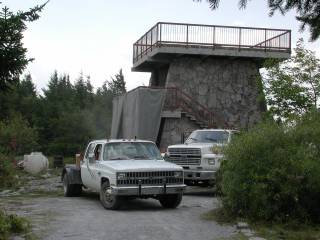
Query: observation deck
[166,41]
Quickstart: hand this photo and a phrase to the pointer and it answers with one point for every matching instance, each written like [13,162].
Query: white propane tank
[35,162]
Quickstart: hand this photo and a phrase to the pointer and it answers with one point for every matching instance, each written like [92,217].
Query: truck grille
[150,178]
[185,156]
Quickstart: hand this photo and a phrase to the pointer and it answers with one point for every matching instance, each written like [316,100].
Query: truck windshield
[208,137]
[131,150]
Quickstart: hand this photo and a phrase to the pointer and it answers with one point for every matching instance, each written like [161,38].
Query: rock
[256,238]
[247,232]
[242,225]
[47,175]
[5,192]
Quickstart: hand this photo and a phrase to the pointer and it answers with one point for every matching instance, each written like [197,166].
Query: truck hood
[141,165]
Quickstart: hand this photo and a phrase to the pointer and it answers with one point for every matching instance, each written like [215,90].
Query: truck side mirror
[91,157]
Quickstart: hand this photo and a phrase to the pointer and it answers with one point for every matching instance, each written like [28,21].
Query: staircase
[177,100]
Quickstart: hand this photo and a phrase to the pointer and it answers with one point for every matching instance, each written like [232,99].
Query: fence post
[187,35]
[214,36]
[146,43]
[151,39]
[240,38]
[160,32]
[265,39]
[289,40]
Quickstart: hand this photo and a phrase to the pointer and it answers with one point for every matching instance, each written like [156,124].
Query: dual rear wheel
[71,190]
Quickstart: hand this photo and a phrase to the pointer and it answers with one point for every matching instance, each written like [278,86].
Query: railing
[211,36]
[177,99]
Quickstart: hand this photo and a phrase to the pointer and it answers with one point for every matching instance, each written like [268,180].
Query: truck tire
[70,190]
[171,200]
[109,201]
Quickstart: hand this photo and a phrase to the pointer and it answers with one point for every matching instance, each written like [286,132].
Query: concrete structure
[210,73]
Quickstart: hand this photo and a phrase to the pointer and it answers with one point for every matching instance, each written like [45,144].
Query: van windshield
[208,137]
[131,150]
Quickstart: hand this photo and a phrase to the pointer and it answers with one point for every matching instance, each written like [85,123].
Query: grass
[11,224]
[290,231]
[220,216]
[269,231]
[237,236]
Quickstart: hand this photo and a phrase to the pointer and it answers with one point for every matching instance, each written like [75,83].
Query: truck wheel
[170,201]
[108,200]
[70,190]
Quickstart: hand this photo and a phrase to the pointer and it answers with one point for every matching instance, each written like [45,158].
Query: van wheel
[109,201]
[171,200]
[71,190]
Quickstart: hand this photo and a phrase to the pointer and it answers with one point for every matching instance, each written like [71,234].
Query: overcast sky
[96,36]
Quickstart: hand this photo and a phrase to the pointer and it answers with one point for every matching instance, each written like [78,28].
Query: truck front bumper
[147,190]
[200,175]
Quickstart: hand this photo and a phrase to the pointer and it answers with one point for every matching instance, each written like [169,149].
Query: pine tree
[117,85]
[308,12]
[13,59]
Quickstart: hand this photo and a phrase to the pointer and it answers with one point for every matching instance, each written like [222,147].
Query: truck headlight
[177,174]
[211,161]
[121,176]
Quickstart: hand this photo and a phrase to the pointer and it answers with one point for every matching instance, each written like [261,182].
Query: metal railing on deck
[211,36]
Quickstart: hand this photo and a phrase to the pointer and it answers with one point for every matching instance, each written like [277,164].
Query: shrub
[7,172]
[12,224]
[17,137]
[272,172]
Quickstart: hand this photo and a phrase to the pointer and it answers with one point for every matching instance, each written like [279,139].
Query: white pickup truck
[120,169]
[201,154]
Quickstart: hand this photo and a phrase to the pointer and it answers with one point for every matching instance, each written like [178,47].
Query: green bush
[273,172]
[12,224]
[17,137]
[7,172]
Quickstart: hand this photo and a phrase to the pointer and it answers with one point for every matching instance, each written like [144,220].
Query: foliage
[22,99]
[62,120]
[16,136]
[293,87]
[117,85]
[308,12]
[272,172]
[7,172]
[13,59]
[73,131]
[290,231]
[11,223]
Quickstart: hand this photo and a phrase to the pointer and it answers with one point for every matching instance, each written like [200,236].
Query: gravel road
[85,218]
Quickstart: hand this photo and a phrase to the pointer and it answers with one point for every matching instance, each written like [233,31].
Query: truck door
[90,168]
[86,175]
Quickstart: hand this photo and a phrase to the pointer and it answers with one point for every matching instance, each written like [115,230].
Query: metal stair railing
[176,99]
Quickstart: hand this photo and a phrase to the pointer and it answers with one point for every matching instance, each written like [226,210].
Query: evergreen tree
[22,99]
[13,59]
[83,92]
[102,111]
[117,85]
[308,12]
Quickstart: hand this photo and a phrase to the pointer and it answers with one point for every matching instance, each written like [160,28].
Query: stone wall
[173,130]
[228,87]
[159,76]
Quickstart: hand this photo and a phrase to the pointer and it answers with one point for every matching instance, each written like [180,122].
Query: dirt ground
[56,217]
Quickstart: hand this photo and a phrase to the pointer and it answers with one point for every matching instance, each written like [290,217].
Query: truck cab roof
[119,140]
